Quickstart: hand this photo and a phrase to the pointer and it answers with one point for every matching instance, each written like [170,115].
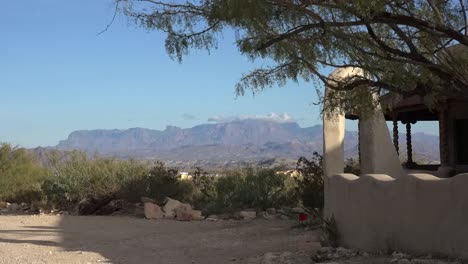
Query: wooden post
[395,133]
[409,145]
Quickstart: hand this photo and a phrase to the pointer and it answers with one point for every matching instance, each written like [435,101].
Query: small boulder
[92,204]
[325,250]
[4,205]
[184,212]
[170,208]
[400,255]
[197,215]
[265,215]
[152,211]
[404,261]
[345,253]
[248,215]
[112,207]
[297,210]
[284,217]
[24,206]
[212,218]
[147,200]
[14,207]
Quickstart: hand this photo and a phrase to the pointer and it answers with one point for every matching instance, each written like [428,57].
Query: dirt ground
[75,239]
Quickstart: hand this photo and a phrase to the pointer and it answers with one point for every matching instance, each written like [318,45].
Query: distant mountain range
[223,144]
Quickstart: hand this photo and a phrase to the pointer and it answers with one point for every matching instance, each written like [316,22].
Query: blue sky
[58,75]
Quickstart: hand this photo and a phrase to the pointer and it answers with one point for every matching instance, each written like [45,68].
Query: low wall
[418,214]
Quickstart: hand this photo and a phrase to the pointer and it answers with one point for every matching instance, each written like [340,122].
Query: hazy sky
[58,75]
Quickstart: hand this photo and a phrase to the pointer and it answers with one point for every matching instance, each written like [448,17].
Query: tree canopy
[405,47]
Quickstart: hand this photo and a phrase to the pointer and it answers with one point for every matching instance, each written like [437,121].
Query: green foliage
[310,184]
[67,181]
[252,188]
[403,46]
[79,177]
[351,166]
[20,175]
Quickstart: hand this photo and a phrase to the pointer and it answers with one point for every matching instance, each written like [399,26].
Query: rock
[152,211]
[91,205]
[345,253]
[404,261]
[197,215]
[399,255]
[184,212]
[325,250]
[4,205]
[297,210]
[265,215]
[248,215]
[14,207]
[112,207]
[271,211]
[147,200]
[38,207]
[284,217]
[212,218]
[24,206]
[170,208]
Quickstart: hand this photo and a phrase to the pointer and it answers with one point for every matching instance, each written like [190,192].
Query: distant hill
[224,143]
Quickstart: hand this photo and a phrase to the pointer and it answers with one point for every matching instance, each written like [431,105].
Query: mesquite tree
[405,47]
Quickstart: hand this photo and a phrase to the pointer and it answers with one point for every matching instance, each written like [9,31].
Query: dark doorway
[461,127]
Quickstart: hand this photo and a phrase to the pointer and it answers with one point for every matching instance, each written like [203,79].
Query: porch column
[359,141]
[409,144]
[395,133]
[443,137]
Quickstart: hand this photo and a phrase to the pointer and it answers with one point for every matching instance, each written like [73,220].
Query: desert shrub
[162,182]
[20,175]
[310,184]
[204,187]
[265,188]
[352,166]
[251,188]
[79,176]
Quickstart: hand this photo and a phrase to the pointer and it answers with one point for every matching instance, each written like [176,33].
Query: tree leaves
[399,44]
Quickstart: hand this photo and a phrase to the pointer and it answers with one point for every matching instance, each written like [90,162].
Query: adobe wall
[414,213]
[419,214]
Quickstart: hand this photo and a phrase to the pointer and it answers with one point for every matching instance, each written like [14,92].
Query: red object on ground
[303,217]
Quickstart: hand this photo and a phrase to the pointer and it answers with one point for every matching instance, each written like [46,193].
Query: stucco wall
[419,213]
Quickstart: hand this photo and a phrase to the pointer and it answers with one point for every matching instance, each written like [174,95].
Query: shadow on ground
[75,239]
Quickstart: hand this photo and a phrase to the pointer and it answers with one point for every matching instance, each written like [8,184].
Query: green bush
[69,179]
[251,188]
[79,176]
[20,175]
[310,184]
[157,182]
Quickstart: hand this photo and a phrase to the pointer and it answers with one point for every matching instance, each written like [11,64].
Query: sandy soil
[74,239]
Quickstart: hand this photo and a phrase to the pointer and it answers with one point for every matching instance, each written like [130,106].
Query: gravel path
[75,239]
